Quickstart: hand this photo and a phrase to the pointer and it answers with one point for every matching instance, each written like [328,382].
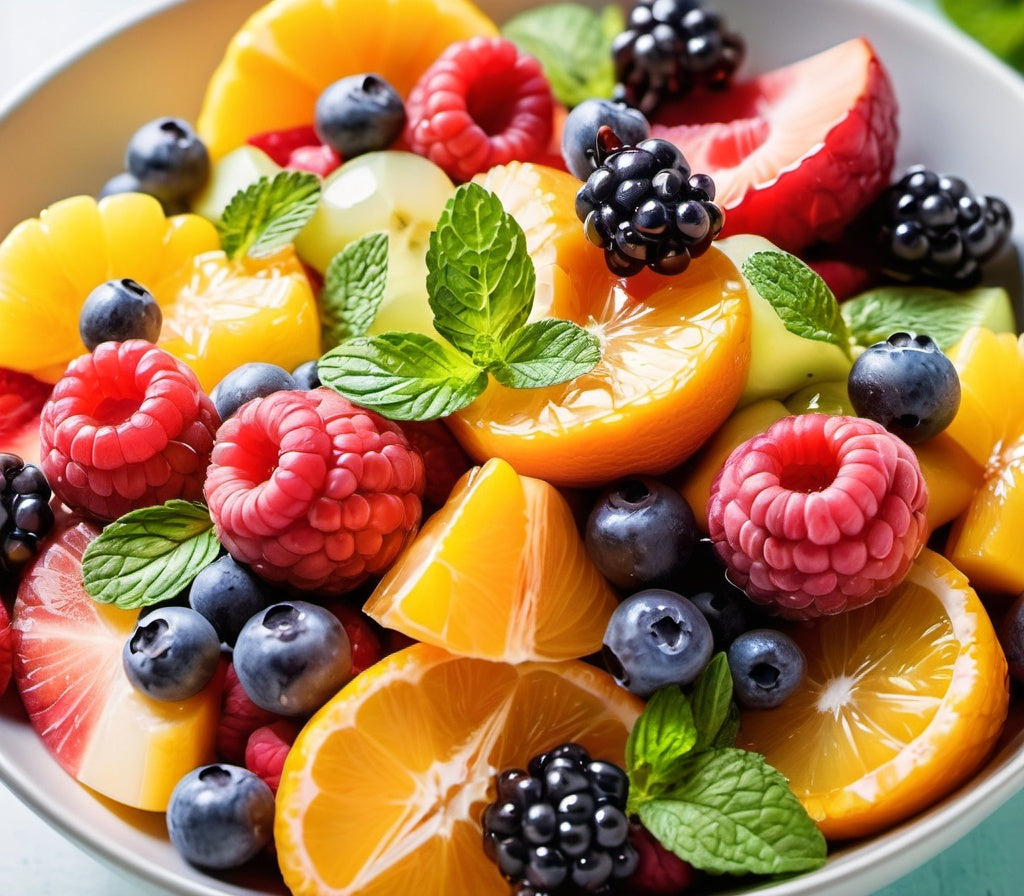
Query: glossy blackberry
[933,229]
[25,513]
[561,825]
[671,47]
[645,208]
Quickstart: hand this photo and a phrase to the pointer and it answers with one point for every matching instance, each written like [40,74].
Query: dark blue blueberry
[167,159]
[656,638]
[172,654]
[220,816]
[767,666]
[725,612]
[359,114]
[906,384]
[292,657]
[118,310]
[1011,637]
[124,182]
[228,594]
[307,376]
[254,379]
[579,133]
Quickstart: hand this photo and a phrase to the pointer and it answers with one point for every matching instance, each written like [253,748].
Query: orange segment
[383,790]
[286,53]
[903,700]
[499,572]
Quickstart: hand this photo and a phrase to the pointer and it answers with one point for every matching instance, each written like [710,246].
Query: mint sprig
[353,289]
[996,24]
[722,809]
[149,555]
[268,214]
[480,285]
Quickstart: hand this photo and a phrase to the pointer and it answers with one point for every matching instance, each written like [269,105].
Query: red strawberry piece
[658,872]
[818,514]
[310,490]
[844,278]
[362,636]
[482,103]
[267,749]
[279,145]
[6,649]
[795,153]
[444,460]
[318,159]
[239,718]
[21,399]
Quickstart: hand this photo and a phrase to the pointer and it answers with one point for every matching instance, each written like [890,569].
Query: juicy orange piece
[383,790]
[527,590]
[903,700]
[287,52]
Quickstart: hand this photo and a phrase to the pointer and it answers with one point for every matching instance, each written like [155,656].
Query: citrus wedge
[383,790]
[499,572]
[902,701]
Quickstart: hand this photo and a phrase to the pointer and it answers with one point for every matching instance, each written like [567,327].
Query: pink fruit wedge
[21,399]
[795,153]
[67,666]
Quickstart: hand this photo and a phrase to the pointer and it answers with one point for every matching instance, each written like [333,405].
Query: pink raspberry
[280,144]
[362,636]
[818,514]
[444,459]
[267,749]
[126,426]
[482,103]
[310,490]
[239,718]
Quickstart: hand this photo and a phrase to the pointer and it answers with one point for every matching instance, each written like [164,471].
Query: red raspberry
[362,636]
[818,514]
[279,145]
[267,749]
[659,872]
[482,103]
[239,718]
[308,489]
[126,426]
[444,459]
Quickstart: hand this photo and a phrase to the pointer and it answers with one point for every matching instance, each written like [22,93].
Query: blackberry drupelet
[644,207]
[669,48]
[25,513]
[560,826]
[932,229]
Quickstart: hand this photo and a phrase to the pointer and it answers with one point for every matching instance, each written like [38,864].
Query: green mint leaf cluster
[353,289]
[573,43]
[995,24]
[722,809]
[149,555]
[480,284]
[268,214]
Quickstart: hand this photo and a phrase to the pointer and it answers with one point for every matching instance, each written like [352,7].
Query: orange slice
[903,700]
[499,572]
[287,52]
[383,790]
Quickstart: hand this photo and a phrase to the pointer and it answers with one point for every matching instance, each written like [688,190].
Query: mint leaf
[353,288]
[480,278]
[996,24]
[735,814]
[404,376]
[544,353]
[149,555]
[875,315]
[712,703]
[800,297]
[268,214]
[664,732]
[573,44]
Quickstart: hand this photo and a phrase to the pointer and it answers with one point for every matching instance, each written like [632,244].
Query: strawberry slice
[68,669]
[21,399]
[279,145]
[795,153]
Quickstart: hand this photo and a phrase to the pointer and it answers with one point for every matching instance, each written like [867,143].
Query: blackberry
[669,48]
[644,207]
[25,513]
[561,826]
[932,229]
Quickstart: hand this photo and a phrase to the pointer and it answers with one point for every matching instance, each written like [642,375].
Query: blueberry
[641,533]
[220,816]
[172,654]
[253,379]
[307,376]
[767,666]
[1011,637]
[292,657]
[906,384]
[118,310]
[725,613]
[656,638]
[579,133]
[228,594]
[359,114]
[168,159]
[123,182]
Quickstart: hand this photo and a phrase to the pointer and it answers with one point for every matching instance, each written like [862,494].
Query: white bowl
[961,112]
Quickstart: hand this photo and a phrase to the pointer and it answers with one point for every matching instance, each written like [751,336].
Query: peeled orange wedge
[903,700]
[499,572]
[383,790]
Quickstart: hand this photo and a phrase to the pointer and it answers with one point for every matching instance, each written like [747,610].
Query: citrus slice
[902,701]
[383,790]
[286,53]
[499,572]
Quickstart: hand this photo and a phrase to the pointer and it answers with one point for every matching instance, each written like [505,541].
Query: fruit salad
[544,456]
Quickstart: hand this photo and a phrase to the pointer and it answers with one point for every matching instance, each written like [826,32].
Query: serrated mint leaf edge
[546,353]
[266,215]
[354,285]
